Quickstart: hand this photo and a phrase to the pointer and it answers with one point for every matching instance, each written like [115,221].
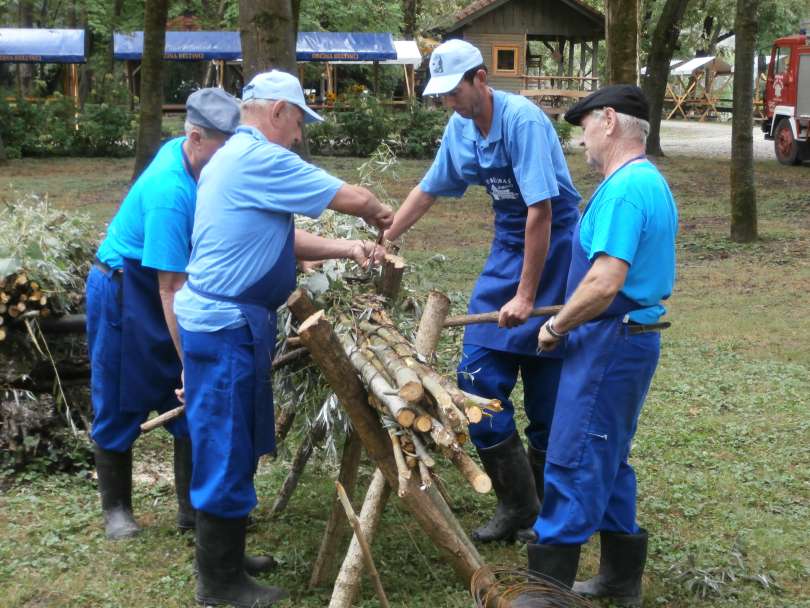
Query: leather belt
[641,328]
[113,272]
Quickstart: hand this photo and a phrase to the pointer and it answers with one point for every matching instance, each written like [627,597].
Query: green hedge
[55,128]
[359,124]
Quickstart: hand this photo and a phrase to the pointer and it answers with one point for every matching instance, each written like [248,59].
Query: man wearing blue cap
[505,143]
[622,268]
[135,354]
[242,269]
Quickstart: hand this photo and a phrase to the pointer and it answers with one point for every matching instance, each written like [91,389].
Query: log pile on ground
[45,254]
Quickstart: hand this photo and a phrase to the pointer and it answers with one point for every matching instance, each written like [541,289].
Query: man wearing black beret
[622,268]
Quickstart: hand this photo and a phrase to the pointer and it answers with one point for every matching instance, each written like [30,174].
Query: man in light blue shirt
[507,144]
[242,269]
[132,333]
[622,269]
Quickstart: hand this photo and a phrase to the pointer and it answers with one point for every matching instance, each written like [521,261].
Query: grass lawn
[721,453]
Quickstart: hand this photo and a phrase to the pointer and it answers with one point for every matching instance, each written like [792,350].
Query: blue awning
[41,46]
[311,46]
[182,46]
[345,46]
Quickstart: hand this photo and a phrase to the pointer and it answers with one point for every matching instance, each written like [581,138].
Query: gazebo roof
[20,45]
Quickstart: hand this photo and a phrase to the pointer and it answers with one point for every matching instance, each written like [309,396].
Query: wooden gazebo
[545,49]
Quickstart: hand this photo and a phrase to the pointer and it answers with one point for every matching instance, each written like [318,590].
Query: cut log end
[423,423]
[406,417]
[312,321]
[412,392]
[474,414]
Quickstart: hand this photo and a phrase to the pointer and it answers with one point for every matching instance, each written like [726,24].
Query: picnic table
[554,102]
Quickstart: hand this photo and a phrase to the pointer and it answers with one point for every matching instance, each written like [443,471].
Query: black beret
[624,98]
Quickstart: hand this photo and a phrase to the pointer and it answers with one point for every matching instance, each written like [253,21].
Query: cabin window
[505,59]
[782,59]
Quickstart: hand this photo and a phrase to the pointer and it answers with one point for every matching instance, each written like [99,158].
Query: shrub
[55,128]
[360,123]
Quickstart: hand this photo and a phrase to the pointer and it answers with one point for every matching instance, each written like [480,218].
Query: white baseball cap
[280,86]
[448,63]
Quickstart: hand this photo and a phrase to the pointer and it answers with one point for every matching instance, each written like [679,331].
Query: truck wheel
[786,148]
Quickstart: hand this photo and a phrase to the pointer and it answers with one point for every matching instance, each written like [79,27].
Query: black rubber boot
[115,486]
[508,468]
[221,577]
[620,568]
[537,462]
[182,483]
[557,563]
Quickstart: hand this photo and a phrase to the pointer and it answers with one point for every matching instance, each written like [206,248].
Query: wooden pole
[393,268]
[348,581]
[438,523]
[313,438]
[431,323]
[492,317]
[336,527]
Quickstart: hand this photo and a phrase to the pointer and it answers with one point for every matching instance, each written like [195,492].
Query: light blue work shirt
[521,137]
[247,196]
[632,216]
[154,222]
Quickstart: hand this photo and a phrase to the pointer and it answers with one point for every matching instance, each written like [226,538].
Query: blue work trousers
[493,374]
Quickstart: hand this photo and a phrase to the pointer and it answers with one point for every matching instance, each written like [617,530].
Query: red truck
[787,99]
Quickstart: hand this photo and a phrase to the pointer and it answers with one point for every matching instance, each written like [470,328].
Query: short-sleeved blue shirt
[632,216]
[154,222]
[247,196]
[521,136]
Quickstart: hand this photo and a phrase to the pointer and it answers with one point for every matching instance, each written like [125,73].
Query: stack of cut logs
[19,296]
[419,408]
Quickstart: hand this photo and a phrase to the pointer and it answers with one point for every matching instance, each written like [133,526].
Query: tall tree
[662,46]
[268,30]
[151,93]
[621,33]
[25,71]
[743,190]
[410,8]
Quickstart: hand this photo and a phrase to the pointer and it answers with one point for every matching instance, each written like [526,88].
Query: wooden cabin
[533,44]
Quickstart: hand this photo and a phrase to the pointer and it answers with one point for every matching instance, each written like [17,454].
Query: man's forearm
[310,246]
[537,239]
[167,300]
[415,206]
[594,294]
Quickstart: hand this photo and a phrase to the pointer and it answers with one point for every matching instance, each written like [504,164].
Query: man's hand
[382,217]
[366,253]
[180,393]
[515,312]
[545,341]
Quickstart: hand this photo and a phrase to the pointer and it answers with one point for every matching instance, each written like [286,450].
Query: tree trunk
[2,151]
[117,10]
[268,34]
[621,31]
[409,12]
[743,191]
[151,93]
[662,45]
[25,71]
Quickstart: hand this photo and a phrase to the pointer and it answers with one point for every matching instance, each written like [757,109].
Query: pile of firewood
[421,410]
[21,298]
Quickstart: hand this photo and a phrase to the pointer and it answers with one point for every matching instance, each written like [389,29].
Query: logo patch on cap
[437,68]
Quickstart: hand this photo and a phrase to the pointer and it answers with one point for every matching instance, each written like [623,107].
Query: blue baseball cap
[213,108]
[279,86]
[448,63]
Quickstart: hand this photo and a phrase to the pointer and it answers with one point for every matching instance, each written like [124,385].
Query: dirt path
[707,140]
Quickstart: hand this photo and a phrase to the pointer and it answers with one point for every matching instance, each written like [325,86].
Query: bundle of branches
[421,409]
[45,255]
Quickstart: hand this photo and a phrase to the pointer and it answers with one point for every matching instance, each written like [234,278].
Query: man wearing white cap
[242,268]
[505,143]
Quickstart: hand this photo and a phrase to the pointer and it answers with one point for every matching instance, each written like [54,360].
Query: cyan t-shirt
[155,220]
[521,136]
[247,196]
[632,216]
